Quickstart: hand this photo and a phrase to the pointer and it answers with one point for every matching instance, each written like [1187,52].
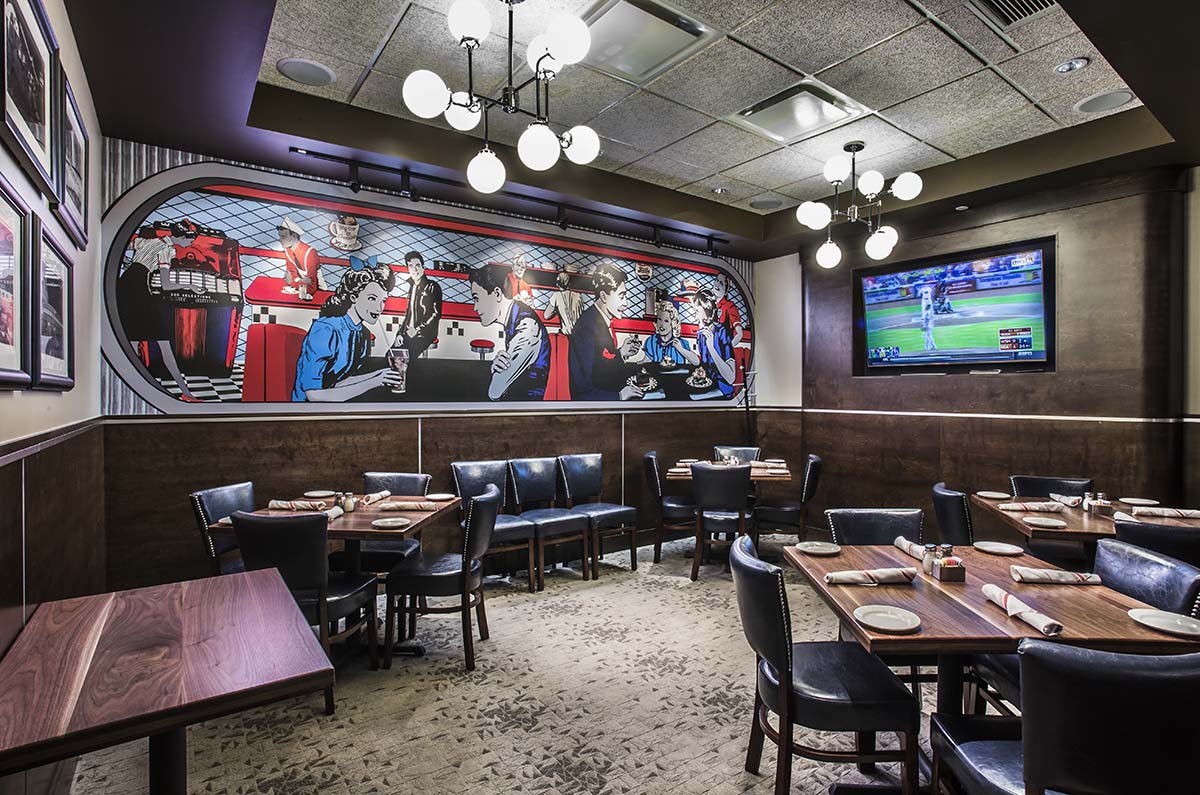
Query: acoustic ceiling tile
[718,146]
[577,94]
[1062,108]
[811,189]
[662,170]
[723,78]
[911,63]
[996,131]
[1034,70]
[785,202]
[380,92]
[976,32]
[959,104]
[912,158]
[614,154]
[422,41]
[724,14]
[353,34]
[777,168]
[1044,28]
[877,134]
[736,190]
[346,73]
[812,35]
[530,18]
[649,122]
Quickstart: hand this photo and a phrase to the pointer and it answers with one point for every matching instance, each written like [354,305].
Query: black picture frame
[74,219]
[20,375]
[18,28]
[42,239]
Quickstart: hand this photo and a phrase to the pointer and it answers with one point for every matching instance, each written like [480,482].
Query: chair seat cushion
[678,508]
[607,515]
[772,511]
[233,565]
[509,530]
[719,521]
[346,593]
[433,575]
[377,556]
[983,753]
[1002,672]
[840,686]
[556,521]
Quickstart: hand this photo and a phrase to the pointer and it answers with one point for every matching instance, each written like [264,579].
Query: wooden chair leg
[910,771]
[412,617]
[633,548]
[755,748]
[864,742]
[935,774]
[468,632]
[783,762]
[597,552]
[541,563]
[532,565]
[588,555]
[699,551]
[323,629]
[658,539]
[481,617]
[372,618]
[972,698]
[389,630]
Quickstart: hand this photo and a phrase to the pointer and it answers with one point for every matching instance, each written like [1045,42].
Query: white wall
[778,331]
[29,412]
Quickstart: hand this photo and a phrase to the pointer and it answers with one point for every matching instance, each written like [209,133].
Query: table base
[408,649]
[168,762]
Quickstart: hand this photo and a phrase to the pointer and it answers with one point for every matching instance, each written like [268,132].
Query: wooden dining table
[1081,525]
[95,671]
[759,472]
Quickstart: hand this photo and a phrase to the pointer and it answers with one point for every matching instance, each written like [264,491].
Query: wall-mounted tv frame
[986,310]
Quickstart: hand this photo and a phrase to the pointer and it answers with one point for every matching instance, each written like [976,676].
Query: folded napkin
[1167,513]
[1018,609]
[297,505]
[376,496]
[1121,516]
[334,513]
[915,550]
[1052,576]
[1070,502]
[1033,507]
[871,577]
[408,505]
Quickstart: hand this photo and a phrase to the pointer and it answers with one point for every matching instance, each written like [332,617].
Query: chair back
[1178,542]
[1095,721]
[1154,578]
[1038,486]
[471,478]
[953,515]
[481,521]
[535,481]
[211,505]
[295,544]
[403,484]
[866,526]
[652,473]
[583,476]
[812,476]
[743,455]
[762,604]
[720,488]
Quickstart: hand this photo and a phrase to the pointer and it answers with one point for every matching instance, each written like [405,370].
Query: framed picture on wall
[53,315]
[30,83]
[15,278]
[75,160]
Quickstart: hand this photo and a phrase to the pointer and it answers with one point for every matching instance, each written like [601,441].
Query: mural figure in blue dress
[666,346]
[521,370]
[600,368]
[335,350]
[712,338]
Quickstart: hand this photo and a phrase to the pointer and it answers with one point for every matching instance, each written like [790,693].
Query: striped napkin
[909,548]
[1070,502]
[296,505]
[1035,507]
[333,513]
[871,577]
[1167,513]
[376,496]
[408,505]
[1018,609]
[1121,516]
[1052,576]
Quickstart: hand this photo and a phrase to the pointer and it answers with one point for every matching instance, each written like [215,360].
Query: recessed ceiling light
[1073,65]
[306,72]
[1105,101]
[720,191]
[963,207]
[766,204]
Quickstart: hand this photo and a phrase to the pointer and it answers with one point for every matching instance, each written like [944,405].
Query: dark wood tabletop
[956,618]
[95,671]
[759,472]
[1081,525]
[356,526]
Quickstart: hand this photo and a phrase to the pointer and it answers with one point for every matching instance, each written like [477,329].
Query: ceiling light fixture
[818,215]
[720,191]
[962,208]
[1104,101]
[1073,65]
[566,41]
[306,72]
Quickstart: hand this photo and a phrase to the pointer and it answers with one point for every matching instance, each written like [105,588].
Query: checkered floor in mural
[203,387]
[635,683]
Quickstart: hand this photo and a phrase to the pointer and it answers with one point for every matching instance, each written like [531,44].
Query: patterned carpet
[635,683]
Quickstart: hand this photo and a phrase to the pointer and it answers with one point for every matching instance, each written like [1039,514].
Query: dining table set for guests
[1077,518]
[771,469]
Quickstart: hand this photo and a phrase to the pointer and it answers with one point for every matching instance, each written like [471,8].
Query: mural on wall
[225,292]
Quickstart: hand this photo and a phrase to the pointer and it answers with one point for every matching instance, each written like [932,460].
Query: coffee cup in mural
[344,229]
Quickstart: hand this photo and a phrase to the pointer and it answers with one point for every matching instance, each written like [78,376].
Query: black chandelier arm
[471,72]
[510,43]
[546,103]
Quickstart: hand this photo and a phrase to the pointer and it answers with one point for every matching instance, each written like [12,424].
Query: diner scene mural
[228,293]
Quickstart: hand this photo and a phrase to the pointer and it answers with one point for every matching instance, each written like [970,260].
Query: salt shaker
[930,556]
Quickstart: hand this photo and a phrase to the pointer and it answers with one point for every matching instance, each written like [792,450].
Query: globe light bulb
[890,233]
[907,186]
[870,183]
[537,48]
[829,255]
[837,168]
[879,245]
[461,115]
[814,215]
[425,95]
[569,38]
[585,145]
[538,146]
[485,172]
[469,19]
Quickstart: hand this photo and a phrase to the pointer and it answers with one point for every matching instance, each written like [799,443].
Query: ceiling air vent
[637,39]
[797,112]
[1007,13]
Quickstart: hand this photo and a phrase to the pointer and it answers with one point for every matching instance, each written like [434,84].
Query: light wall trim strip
[980,416]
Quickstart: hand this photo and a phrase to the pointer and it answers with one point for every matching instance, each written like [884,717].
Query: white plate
[998,548]
[776,461]
[319,494]
[1163,621]
[818,548]
[1138,501]
[885,618]
[439,497]
[678,471]
[225,521]
[993,495]
[688,461]
[391,522]
[1043,521]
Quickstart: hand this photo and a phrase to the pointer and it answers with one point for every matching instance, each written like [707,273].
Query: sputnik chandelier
[818,215]
[566,41]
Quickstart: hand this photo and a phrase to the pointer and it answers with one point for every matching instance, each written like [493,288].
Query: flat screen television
[986,310]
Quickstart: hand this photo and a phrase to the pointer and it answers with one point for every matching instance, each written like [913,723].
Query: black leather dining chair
[1041,486]
[446,575]
[742,455]
[209,507]
[831,686]
[671,512]
[583,485]
[296,545]
[953,514]
[535,483]
[1178,542]
[719,493]
[874,526]
[772,513]
[512,533]
[381,555]
[1091,721]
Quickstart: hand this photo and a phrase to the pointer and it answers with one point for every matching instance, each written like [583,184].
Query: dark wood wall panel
[1191,464]
[12,616]
[780,436]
